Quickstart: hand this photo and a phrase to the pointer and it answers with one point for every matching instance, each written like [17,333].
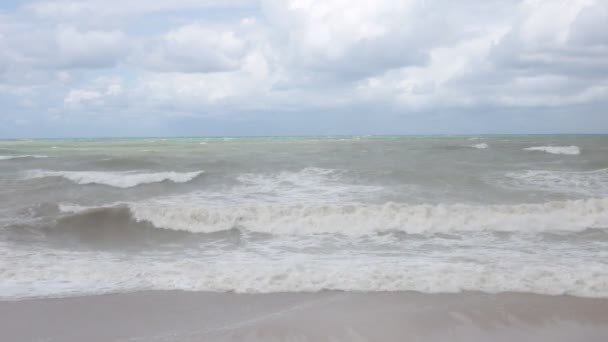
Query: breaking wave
[481,146]
[124,179]
[568,150]
[256,275]
[21,156]
[364,219]
[589,183]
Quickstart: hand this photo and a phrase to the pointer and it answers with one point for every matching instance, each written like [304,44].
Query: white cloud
[89,49]
[192,91]
[73,8]
[198,57]
[102,91]
[354,38]
[77,97]
[536,59]
[195,48]
[28,47]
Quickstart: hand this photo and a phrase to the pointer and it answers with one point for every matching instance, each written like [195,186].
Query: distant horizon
[303,136]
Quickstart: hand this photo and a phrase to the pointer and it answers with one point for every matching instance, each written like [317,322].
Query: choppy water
[430,214]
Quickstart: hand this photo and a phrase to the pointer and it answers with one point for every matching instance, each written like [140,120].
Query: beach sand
[325,316]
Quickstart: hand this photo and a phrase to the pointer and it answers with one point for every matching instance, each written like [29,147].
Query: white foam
[63,272]
[307,185]
[481,146]
[360,219]
[124,179]
[76,208]
[590,183]
[316,200]
[568,150]
[37,156]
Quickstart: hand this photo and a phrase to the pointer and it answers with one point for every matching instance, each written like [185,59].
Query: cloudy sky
[285,67]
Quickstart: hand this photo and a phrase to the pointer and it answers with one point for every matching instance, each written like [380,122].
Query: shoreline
[321,316]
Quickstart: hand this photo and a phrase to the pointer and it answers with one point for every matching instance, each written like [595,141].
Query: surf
[120,179]
[567,150]
[23,156]
[360,219]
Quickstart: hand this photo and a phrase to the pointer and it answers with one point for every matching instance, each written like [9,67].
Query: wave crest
[22,156]
[124,179]
[568,150]
[481,146]
[365,219]
[590,183]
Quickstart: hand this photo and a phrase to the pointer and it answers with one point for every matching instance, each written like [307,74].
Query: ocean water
[293,214]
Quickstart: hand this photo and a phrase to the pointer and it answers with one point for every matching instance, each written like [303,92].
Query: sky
[302,67]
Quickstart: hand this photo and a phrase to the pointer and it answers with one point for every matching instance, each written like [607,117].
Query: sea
[431,214]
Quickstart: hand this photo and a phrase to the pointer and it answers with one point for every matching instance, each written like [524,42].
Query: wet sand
[326,316]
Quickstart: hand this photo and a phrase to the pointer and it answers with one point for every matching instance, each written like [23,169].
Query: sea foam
[473,268]
[123,179]
[359,219]
[568,150]
[480,146]
[362,219]
[590,183]
[36,156]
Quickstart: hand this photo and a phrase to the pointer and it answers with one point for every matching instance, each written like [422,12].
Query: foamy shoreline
[324,316]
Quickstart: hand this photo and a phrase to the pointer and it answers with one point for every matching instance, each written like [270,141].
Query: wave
[112,228]
[481,146]
[316,247]
[460,265]
[590,183]
[568,150]
[310,184]
[103,275]
[365,219]
[35,156]
[124,179]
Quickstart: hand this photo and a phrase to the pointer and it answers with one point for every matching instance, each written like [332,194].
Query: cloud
[353,39]
[193,91]
[195,48]
[550,57]
[77,97]
[540,58]
[556,37]
[63,9]
[27,47]
[101,92]
[90,49]
[268,58]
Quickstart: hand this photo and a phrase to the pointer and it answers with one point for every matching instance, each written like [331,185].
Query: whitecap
[119,179]
[481,146]
[358,219]
[568,150]
[590,183]
[310,184]
[21,156]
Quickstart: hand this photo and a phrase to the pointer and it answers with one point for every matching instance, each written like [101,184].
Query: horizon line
[299,136]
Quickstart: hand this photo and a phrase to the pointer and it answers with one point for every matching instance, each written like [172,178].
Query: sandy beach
[325,316]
